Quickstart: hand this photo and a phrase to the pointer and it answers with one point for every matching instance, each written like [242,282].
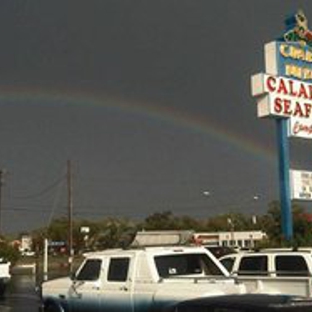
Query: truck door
[84,293]
[117,292]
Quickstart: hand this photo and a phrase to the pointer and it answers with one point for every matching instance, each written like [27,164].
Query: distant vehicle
[5,275]
[274,271]
[28,253]
[244,303]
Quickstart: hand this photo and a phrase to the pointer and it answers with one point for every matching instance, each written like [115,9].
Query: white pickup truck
[139,280]
[274,271]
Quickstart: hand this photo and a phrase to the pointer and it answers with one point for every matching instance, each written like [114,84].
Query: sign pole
[45,260]
[285,94]
[284,180]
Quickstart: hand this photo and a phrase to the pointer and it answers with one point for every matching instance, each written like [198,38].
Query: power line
[1,183]
[43,191]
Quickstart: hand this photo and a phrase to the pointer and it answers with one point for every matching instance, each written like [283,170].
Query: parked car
[5,275]
[273,271]
[244,303]
[270,262]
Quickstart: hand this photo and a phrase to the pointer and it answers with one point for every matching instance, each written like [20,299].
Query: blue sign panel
[57,244]
[292,60]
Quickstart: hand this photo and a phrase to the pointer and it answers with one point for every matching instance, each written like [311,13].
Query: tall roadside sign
[284,93]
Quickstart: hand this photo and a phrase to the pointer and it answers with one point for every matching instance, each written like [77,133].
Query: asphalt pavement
[21,295]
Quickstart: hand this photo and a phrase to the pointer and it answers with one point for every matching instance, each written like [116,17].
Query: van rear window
[291,266]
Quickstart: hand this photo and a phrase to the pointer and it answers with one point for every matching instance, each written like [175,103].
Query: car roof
[267,252]
[159,250]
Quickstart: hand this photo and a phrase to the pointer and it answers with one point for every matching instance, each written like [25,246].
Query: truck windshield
[185,265]
[90,270]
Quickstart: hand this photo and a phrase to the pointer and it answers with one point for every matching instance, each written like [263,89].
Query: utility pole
[1,184]
[70,216]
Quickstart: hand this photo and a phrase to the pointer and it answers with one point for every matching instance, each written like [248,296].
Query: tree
[229,222]
[115,233]
[8,252]
[58,230]
[188,223]
[160,221]
[302,226]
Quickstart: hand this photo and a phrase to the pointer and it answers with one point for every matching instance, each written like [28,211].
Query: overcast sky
[150,100]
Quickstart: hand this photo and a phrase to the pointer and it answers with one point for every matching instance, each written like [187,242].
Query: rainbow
[194,123]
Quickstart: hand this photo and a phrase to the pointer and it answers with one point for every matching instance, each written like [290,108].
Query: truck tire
[52,307]
[2,288]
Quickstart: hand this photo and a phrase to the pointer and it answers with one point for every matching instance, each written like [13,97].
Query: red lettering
[298,110]
[287,107]
[297,128]
[278,107]
[302,91]
[282,87]
[271,83]
[291,88]
[307,110]
[310,92]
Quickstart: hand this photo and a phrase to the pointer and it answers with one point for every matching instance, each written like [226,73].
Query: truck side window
[118,269]
[257,265]
[228,263]
[90,270]
[291,266]
[186,264]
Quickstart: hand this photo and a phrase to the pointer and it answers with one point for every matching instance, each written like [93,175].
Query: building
[241,239]
[26,245]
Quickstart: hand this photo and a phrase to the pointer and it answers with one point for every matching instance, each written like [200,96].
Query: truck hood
[56,284]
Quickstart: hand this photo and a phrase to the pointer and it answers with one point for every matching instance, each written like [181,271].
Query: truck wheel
[52,307]
[2,289]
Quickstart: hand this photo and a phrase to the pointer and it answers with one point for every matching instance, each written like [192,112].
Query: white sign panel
[299,127]
[281,97]
[273,105]
[301,184]
[85,229]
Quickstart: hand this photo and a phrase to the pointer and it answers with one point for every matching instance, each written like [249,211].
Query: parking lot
[21,295]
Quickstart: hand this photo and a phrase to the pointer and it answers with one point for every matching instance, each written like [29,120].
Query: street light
[206,193]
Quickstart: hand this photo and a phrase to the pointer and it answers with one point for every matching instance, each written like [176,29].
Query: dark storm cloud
[193,58]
